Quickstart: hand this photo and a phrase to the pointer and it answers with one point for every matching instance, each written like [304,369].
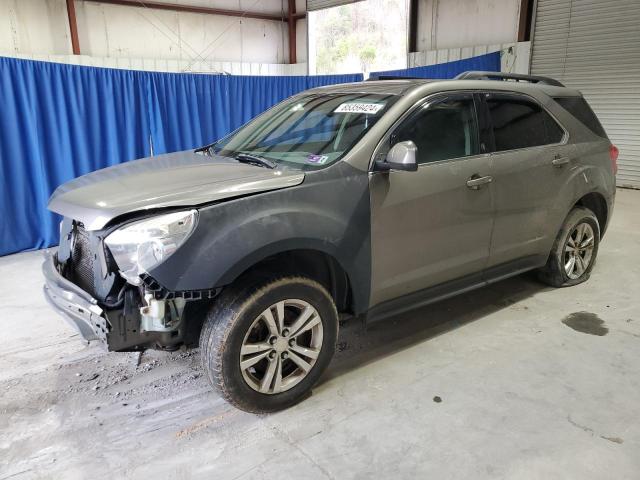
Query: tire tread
[552,273]
[223,317]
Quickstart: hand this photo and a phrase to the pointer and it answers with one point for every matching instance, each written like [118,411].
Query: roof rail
[508,76]
[393,77]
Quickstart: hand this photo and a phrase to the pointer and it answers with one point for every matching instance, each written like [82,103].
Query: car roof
[386,87]
[404,87]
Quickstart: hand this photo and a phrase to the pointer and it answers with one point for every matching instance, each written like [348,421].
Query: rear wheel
[574,252]
[266,343]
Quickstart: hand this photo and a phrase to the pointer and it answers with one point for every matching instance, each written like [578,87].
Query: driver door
[428,226]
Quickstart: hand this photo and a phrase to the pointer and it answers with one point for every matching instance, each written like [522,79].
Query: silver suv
[368,199]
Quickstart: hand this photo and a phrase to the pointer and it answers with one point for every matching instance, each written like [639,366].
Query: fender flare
[253,258]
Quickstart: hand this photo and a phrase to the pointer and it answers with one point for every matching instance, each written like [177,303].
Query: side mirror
[402,156]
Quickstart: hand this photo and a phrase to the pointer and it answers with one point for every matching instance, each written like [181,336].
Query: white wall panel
[40,27]
[445,24]
[34,26]
[117,31]
[301,41]
[514,57]
[170,65]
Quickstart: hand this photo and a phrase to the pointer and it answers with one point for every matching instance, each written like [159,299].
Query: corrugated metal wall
[594,46]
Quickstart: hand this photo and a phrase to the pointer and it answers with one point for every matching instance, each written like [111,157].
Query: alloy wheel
[281,346]
[578,250]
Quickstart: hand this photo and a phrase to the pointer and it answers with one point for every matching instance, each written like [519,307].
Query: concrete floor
[491,384]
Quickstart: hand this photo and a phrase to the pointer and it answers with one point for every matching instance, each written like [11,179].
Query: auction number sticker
[358,107]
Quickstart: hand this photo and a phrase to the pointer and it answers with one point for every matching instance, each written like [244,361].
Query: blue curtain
[489,62]
[210,106]
[59,121]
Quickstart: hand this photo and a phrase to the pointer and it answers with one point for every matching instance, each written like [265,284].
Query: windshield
[312,131]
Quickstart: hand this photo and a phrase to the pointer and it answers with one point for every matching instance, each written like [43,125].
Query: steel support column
[291,20]
[412,45]
[73,27]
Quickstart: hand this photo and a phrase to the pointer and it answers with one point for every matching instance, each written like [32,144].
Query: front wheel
[265,344]
[574,252]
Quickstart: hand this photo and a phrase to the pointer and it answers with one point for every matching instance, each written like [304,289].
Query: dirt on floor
[70,409]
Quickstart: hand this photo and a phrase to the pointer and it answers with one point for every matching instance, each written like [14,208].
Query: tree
[364,36]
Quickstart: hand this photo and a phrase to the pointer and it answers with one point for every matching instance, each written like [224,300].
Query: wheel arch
[308,258]
[597,203]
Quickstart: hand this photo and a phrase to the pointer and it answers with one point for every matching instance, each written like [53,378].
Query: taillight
[613,154]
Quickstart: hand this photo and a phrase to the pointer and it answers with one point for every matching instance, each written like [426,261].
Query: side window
[442,130]
[520,123]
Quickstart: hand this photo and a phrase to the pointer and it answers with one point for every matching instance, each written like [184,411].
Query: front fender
[329,213]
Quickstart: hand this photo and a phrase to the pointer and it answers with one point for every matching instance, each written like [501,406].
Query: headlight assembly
[140,246]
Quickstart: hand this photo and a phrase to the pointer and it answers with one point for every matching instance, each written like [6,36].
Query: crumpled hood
[172,180]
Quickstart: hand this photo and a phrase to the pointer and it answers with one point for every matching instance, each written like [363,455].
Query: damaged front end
[97,281]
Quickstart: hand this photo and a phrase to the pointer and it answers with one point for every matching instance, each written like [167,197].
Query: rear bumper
[75,305]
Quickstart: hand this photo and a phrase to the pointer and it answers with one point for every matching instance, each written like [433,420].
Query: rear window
[579,108]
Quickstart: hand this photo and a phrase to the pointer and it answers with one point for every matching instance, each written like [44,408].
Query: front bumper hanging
[75,305]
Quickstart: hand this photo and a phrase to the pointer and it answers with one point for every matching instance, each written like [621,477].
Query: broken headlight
[140,246]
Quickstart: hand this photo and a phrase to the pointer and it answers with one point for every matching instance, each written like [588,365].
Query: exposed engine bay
[132,317]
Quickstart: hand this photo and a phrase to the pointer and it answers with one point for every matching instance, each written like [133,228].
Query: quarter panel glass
[580,109]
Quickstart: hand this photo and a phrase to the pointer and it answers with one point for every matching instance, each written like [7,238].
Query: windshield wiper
[255,160]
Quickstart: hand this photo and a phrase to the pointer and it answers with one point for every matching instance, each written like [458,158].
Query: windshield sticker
[357,107]
[317,159]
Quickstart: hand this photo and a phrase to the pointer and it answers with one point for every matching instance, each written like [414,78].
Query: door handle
[559,162]
[476,181]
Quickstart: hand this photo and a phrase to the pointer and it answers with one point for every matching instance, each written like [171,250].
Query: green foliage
[362,36]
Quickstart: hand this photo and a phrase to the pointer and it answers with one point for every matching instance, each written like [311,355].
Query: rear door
[429,226]
[531,163]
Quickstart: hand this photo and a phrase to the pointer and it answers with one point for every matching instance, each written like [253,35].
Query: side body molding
[329,212]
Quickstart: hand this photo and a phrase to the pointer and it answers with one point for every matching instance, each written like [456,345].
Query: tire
[559,272]
[238,323]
